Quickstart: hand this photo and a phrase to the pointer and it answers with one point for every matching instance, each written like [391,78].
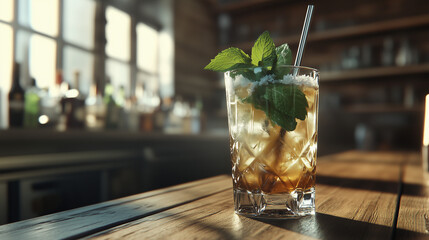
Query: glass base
[296,204]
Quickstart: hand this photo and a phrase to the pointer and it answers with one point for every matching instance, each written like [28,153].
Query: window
[47,35]
[78,60]
[118,34]
[78,22]
[147,48]
[6,46]
[6,10]
[42,60]
[44,16]
[147,86]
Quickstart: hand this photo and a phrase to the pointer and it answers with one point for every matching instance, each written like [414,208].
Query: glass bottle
[74,106]
[32,106]
[112,110]
[16,100]
[95,109]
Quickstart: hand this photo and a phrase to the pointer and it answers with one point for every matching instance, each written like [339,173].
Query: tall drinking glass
[273,140]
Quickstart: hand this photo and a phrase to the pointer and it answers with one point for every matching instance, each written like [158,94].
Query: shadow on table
[406,234]
[410,189]
[323,226]
[356,183]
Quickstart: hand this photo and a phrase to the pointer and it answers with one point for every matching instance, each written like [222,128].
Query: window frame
[98,51]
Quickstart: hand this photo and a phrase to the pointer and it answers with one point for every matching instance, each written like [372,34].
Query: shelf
[244,5]
[374,72]
[383,108]
[357,30]
[37,135]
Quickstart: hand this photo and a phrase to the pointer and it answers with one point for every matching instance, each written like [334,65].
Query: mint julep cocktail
[272,117]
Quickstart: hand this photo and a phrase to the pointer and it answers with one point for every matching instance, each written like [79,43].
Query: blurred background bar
[101,99]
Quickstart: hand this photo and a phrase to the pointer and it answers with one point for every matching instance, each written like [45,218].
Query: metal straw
[303,39]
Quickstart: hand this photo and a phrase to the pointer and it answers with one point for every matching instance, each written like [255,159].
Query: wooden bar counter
[359,195]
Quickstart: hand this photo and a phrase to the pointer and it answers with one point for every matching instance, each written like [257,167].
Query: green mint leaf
[229,59]
[264,51]
[288,99]
[283,104]
[284,57]
[288,123]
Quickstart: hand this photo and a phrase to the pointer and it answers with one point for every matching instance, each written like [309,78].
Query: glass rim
[283,65]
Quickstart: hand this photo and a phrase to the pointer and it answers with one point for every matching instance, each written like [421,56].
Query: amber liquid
[267,159]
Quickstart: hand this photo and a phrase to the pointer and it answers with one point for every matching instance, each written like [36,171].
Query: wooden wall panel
[196,42]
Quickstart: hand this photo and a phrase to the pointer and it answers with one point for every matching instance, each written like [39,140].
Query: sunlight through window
[147,48]
[6,10]
[6,46]
[118,34]
[78,24]
[44,16]
[43,60]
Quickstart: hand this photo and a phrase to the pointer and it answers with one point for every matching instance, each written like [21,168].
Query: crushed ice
[242,82]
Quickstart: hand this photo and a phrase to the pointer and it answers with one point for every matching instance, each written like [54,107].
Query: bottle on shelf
[50,105]
[404,55]
[196,112]
[179,117]
[95,109]
[16,100]
[387,52]
[160,114]
[32,105]
[74,105]
[123,108]
[163,119]
[132,110]
[62,88]
[112,110]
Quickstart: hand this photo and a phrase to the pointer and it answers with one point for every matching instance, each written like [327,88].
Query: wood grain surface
[413,217]
[359,195]
[354,200]
[83,221]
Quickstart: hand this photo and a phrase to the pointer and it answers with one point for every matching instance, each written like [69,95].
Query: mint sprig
[284,57]
[283,104]
[229,59]
[264,51]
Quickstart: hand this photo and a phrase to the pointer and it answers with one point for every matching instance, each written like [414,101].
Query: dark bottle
[74,106]
[16,100]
